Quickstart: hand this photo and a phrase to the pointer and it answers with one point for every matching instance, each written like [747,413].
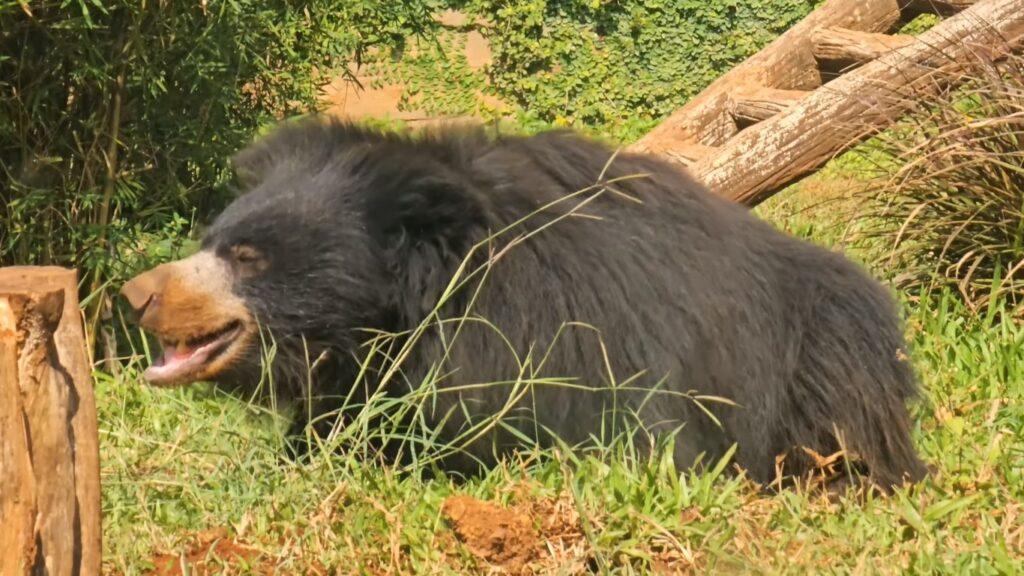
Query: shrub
[117,117]
[949,201]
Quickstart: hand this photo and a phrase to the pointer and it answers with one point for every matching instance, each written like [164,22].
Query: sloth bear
[638,293]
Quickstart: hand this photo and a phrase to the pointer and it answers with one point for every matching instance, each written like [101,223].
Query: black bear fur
[671,286]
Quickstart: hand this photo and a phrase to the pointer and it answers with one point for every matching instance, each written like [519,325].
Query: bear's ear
[284,142]
[306,141]
[250,166]
[426,226]
[284,148]
[435,209]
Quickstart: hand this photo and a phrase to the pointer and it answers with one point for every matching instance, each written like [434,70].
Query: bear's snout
[142,292]
[191,307]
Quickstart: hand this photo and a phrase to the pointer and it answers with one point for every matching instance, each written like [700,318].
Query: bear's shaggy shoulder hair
[643,281]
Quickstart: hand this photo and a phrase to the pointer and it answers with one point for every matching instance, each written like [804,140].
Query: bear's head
[340,229]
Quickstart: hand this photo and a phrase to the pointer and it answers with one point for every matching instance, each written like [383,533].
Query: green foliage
[117,117]
[610,68]
[920,24]
[621,65]
[437,78]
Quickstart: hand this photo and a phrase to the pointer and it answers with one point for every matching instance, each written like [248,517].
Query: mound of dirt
[492,533]
[534,535]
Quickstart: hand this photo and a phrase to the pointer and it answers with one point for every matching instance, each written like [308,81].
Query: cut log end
[852,48]
[755,105]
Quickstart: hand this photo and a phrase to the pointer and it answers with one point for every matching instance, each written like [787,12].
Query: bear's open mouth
[183,360]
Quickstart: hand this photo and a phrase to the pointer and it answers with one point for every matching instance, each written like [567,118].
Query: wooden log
[778,152]
[788,63]
[852,47]
[759,104]
[49,446]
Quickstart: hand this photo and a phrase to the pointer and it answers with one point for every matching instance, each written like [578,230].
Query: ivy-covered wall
[614,66]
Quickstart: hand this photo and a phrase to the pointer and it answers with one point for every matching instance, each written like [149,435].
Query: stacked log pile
[834,79]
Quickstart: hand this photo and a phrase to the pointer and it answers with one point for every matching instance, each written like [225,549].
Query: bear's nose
[144,290]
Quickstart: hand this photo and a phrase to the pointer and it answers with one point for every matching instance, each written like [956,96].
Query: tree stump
[49,445]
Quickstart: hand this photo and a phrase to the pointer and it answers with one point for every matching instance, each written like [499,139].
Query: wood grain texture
[759,104]
[853,47]
[49,449]
[17,483]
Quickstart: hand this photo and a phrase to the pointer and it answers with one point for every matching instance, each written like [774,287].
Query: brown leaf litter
[216,551]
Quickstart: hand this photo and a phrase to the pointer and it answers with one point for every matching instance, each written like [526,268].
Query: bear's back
[636,283]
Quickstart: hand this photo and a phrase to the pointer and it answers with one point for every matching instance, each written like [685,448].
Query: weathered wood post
[49,445]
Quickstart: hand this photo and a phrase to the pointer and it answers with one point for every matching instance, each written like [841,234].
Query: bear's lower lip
[183,363]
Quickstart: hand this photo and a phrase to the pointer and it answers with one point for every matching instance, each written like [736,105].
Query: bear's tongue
[178,354]
[179,362]
[183,361]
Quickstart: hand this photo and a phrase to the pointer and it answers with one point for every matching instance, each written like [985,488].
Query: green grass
[178,464]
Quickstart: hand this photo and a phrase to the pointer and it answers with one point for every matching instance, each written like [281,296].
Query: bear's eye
[247,259]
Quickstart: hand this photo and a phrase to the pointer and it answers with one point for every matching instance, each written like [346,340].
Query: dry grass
[947,201]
